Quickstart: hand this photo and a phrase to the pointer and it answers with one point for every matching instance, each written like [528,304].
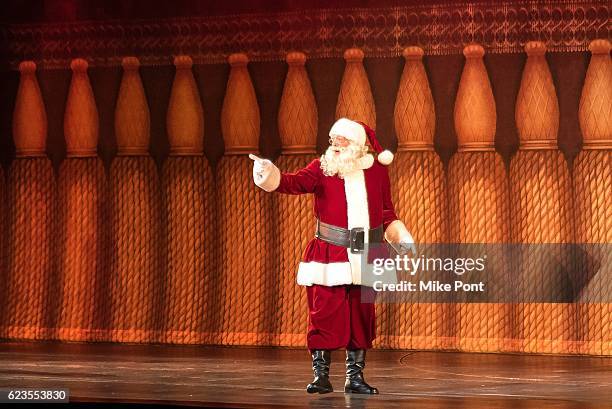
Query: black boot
[321,359]
[355,362]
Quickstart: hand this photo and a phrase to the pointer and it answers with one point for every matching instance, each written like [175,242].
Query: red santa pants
[339,318]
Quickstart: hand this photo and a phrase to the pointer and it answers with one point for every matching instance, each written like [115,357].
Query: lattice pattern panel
[593,201]
[542,213]
[296,227]
[192,287]
[81,247]
[419,192]
[136,278]
[479,213]
[249,281]
[31,305]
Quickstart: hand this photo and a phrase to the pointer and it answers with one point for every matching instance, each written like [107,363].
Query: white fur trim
[270,179]
[357,215]
[385,157]
[351,130]
[328,274]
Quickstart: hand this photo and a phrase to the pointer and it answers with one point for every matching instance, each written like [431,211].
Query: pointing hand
[260,166]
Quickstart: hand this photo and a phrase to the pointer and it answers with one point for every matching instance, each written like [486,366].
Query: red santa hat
[358,132]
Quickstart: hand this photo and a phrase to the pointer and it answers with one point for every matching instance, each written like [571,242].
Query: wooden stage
[270,378]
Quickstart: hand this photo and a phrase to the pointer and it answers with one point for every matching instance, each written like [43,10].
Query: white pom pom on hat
[385,157]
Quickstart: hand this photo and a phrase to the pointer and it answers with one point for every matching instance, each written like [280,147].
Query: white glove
[406,244]
[398,236]
[265,174]
[261,168]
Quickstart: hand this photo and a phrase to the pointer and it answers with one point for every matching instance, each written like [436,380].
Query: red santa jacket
[360,199]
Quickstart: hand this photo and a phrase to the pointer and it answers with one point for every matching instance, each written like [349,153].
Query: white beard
[344,162]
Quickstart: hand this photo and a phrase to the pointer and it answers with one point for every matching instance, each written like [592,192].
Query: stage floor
[268,378]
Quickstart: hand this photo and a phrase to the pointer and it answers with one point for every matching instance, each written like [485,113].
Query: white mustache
[339,160]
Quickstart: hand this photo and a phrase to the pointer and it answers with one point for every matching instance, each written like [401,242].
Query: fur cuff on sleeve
[395,231]
[270,180]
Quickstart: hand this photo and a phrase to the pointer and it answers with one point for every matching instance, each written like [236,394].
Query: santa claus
[353,207]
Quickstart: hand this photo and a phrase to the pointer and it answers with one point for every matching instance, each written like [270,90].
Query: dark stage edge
[240,377]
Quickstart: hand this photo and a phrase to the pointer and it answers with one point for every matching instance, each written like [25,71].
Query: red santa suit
[341,309]
[338,315]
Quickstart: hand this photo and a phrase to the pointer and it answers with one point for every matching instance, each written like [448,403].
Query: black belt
[349,238]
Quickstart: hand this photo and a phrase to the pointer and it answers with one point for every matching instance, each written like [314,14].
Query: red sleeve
[388,209]
[305,180]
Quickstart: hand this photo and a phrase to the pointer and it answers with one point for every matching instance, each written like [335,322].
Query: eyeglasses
[341,140]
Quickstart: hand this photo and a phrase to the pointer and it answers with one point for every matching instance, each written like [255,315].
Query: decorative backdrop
[501,27]
[130,211]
